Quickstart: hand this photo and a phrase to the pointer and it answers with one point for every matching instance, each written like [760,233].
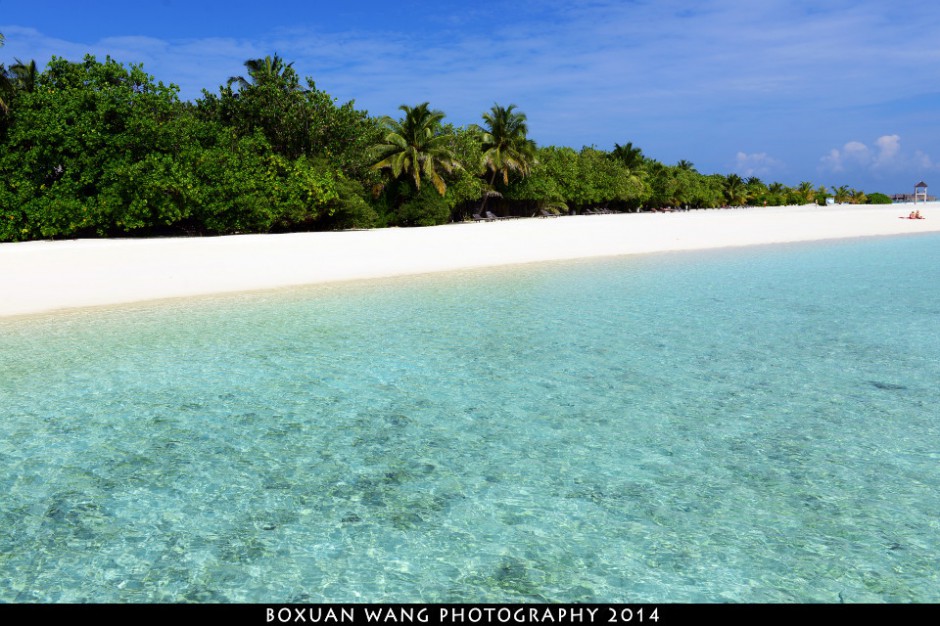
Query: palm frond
[415,146]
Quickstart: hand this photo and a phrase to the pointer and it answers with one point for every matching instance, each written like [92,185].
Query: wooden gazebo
[920,191]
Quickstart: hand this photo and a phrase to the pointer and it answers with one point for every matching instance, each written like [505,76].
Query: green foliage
[425,207]
[710,191]
[756,191]
[464,185]
[841,194]
[24,75]
[250,189]
[664,186]
[101,149]
[602,181]
[562,177]
[540,188]
[83,125]
[806,193]
[879,198]
[415,146]
[269,100]
[735,190]
[6,91]
[340,133]
[857,196]
[505,143]
[630,156]
[349,209]
[561,166]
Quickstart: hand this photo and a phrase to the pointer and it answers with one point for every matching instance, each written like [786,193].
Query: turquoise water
[740,425]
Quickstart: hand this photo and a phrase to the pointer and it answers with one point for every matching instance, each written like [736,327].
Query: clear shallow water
[744,425]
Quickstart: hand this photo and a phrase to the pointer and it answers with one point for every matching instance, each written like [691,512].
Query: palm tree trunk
[486,195]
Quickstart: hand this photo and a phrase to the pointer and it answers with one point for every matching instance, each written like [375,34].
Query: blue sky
[830,91]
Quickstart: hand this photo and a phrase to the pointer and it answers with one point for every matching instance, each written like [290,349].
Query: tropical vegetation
[416,146]
[99,148]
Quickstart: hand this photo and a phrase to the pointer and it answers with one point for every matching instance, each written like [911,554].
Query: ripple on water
[745,425]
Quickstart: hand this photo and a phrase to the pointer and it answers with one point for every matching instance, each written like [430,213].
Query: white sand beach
[43,276]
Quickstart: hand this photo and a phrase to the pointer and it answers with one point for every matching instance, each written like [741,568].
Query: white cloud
[853,154]
[856,152]
[832,162]
[889,149]
[757,163]
[885,158]
[683,80]
[924,161]
[887,155]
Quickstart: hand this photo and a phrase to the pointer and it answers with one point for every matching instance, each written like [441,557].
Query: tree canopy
[505,143]
[97,148]
[415,146]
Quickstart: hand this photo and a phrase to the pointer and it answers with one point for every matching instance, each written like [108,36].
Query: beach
[43,276]
[749,424]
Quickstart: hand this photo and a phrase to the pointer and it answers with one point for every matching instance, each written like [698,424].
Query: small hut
[920,191]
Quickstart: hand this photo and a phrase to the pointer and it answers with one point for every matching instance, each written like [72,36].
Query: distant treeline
[99,149]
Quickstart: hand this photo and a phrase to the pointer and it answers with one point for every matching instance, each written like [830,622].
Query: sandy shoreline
[45,276]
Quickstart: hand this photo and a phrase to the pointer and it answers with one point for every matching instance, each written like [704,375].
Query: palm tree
[776,193]
[840,194]
[265,70]
[685,166]
[630,156]
[735,190]
[756,190]
[24,75]
[6,85]
[414,145]
[3,81]
[18,77]
[806,191]
[6,88]
[505,145]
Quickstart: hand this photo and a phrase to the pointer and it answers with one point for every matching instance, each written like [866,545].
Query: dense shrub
[425,208]
[349,208]
[99,149]
[879,198]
